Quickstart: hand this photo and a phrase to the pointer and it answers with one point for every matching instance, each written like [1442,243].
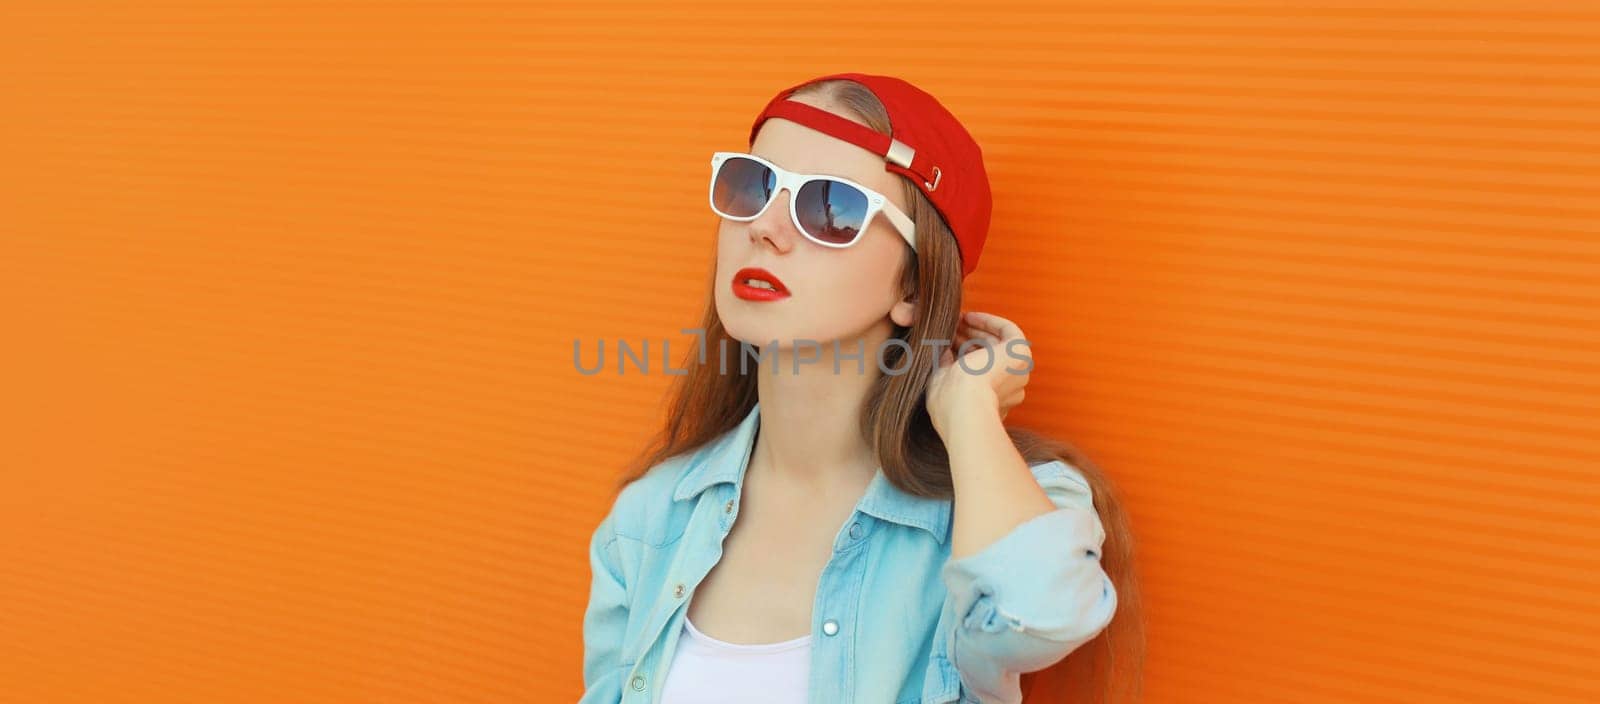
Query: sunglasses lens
[742,187]
[831,211]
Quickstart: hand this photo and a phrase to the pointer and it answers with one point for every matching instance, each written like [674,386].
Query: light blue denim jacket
[895,621]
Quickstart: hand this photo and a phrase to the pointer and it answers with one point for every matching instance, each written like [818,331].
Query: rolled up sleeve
[604,619]
[1034,595]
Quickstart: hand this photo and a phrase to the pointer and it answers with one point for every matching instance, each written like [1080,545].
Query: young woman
[834,511]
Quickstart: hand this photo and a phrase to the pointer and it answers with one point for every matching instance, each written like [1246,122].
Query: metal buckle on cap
[900,153]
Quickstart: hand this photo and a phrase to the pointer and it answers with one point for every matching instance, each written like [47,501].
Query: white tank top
[709,671]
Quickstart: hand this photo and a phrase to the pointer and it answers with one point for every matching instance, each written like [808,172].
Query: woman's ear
[904,312]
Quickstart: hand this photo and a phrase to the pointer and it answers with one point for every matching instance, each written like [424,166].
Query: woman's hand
[990,376]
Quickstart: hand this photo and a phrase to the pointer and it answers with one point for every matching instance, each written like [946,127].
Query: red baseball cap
[927,145]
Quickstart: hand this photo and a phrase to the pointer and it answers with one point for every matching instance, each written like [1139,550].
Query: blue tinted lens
[832,211]
[742,187]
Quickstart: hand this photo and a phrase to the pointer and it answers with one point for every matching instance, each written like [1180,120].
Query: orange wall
[289,411]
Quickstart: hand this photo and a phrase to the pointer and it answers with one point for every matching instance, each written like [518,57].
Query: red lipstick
[743,289]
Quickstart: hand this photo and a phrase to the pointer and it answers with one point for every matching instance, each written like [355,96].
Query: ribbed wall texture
[291,291]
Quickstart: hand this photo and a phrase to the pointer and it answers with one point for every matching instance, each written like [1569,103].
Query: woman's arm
[605,619]
[1024,576]
[994,491]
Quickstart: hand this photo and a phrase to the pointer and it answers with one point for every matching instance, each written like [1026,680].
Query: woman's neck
[809,437]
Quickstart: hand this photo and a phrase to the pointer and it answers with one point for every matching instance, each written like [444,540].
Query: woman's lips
[756,293]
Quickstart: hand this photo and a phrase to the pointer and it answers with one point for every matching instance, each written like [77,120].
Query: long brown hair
[707,402]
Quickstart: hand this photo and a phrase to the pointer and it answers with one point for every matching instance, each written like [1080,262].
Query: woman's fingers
[994,324]
[966,331]
[985,333]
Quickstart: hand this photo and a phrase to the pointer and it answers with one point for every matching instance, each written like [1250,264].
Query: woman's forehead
[801,149]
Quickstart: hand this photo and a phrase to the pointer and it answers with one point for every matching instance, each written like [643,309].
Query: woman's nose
[775,225]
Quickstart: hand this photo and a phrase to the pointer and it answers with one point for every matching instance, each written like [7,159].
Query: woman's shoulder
[643,505]
[655,505]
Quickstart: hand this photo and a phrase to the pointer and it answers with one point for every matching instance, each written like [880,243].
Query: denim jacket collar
[725,459]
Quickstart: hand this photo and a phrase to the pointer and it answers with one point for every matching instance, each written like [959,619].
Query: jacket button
[830,627]
[855,530]
[728,508]
[678,591]
[638,683]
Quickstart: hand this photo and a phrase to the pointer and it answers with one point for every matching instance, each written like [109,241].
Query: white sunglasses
[828,210]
